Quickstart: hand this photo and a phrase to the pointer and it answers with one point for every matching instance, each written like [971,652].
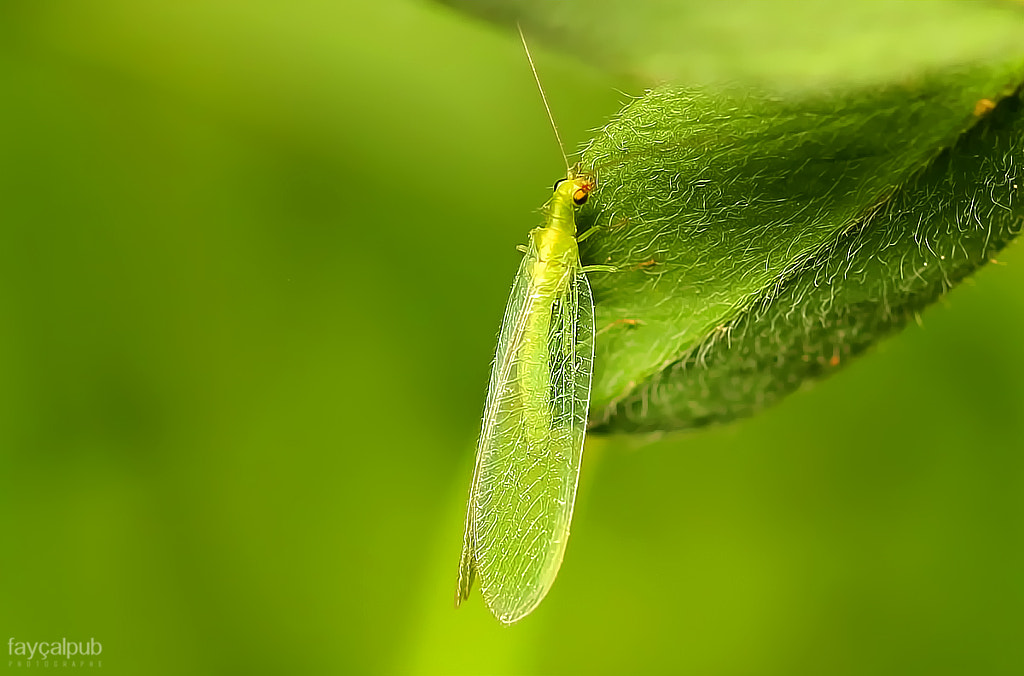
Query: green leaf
[763,241]
[778,45]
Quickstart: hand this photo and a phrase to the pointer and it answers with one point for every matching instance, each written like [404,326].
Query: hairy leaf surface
[762,242]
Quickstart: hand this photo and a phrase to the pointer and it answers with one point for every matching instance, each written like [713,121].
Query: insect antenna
[544,98]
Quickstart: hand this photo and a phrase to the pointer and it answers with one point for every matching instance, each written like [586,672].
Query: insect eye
[557,183]
[579,198]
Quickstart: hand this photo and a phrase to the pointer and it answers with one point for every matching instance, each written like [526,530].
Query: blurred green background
[253,260]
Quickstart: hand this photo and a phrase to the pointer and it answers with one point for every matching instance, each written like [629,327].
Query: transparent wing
[528,457]
[512,328]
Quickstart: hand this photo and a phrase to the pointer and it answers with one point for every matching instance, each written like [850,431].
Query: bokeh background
[253,260]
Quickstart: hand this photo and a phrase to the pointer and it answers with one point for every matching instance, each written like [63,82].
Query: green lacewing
[535,417]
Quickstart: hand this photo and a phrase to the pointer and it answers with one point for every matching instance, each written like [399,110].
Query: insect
[531,440]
